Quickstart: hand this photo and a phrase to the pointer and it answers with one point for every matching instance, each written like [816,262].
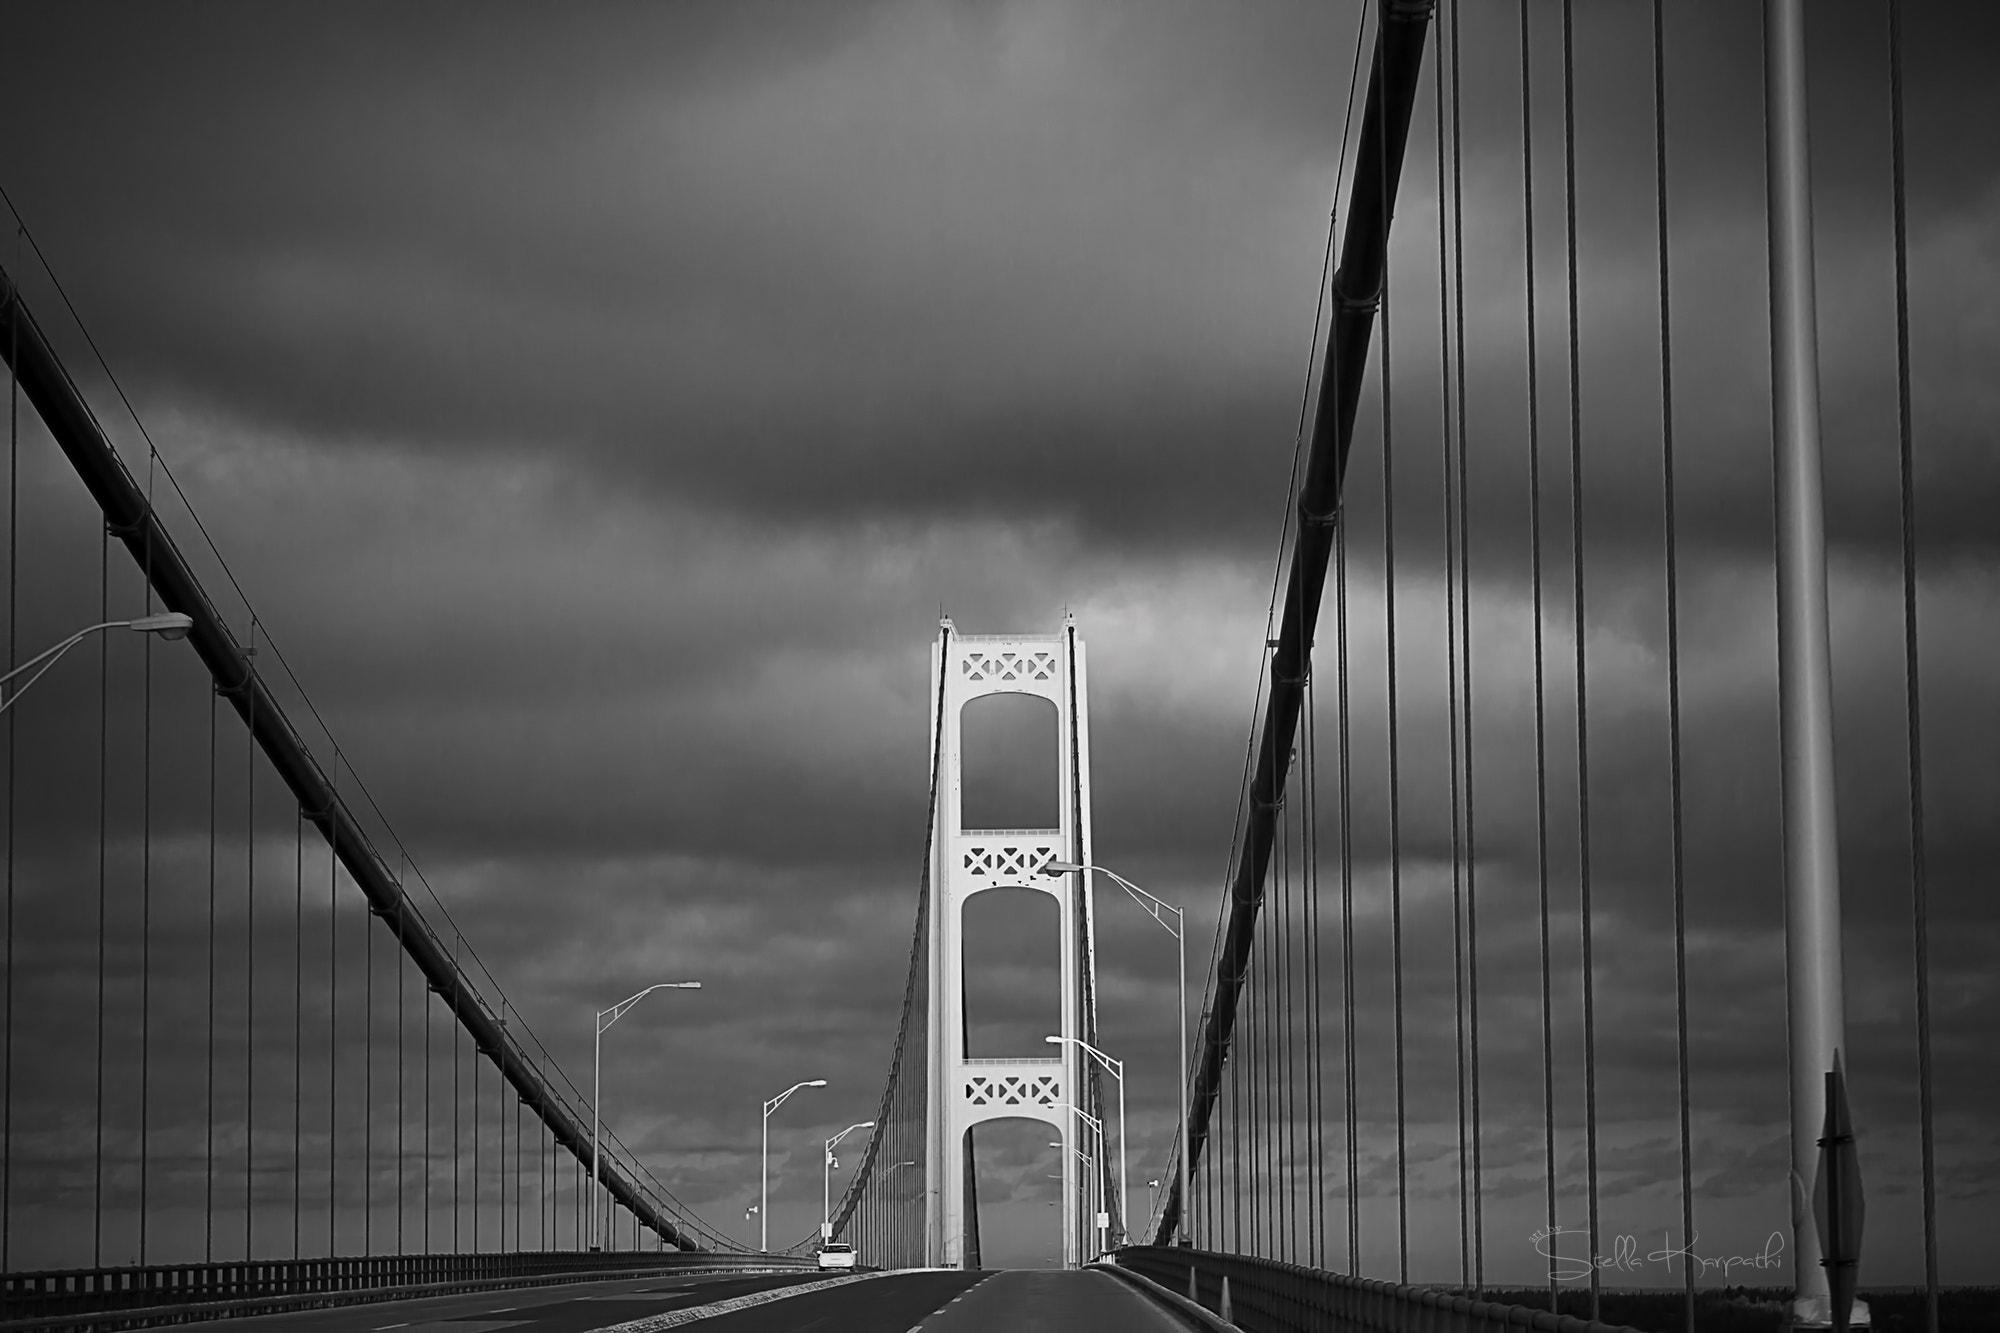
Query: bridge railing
[171,1292]
[1266,1296]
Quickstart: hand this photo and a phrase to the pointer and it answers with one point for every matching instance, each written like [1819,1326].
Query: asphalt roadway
[1017,1301]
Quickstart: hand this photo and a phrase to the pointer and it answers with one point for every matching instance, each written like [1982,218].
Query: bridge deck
[935,1302]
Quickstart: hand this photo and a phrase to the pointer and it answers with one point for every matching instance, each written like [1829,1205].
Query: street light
[605,1018]
[1090,1174]
[1158,910]
[1097,1179]
[1117,1068]
[826,1181]
[764,1204]
[167,624]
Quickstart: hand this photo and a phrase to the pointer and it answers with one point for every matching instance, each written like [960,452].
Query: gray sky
[599,405]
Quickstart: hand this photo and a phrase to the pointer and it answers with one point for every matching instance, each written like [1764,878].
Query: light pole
[605,1018]
[1159,910]
[1117,1068]
[764,1197]
[826,1181]
[167,624]
[1089,1164]
[1097,1181]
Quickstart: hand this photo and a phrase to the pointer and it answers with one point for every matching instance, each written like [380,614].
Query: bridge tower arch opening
[1044,1081]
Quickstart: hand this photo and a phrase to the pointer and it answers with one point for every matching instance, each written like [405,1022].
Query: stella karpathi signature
[1625,1256]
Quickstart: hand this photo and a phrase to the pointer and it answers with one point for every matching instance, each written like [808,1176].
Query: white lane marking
[379,1328]
[676,1318]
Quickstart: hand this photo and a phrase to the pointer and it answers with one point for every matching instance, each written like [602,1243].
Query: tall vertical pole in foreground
[1815,1007]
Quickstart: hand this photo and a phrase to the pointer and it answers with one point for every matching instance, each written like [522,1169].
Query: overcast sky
[599,405]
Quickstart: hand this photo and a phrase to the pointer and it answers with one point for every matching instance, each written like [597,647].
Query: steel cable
[368,1085]
[1541,694]
[1677,857]
[1394,739]
[1912,673]
[402,1066]
[333,1023]
[103,841]
[1316,1066]
[298,1017]
[146,887]
[13,608]
[1582,696]
[1465,667]
[1347,894]
[250,962]
[1451,672]
[208,1148]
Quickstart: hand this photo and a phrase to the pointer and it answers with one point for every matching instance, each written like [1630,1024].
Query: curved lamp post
[1159,910]
[1089,1163]
[764,1198]
[605,1018]
[1117,1069]
[167,624]
[826,1180]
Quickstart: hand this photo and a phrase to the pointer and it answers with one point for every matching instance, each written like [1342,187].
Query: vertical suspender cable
[1582,696]
[368,1084]
[427,1118]
[1451,667]
[208,1147]
[1236,1146]
[457,1108]
[298,1015]
[1395,748]
[474,1062]
[1347,896]
[1678,861]
[13,607]
[1541,694]
[543,1205]
[1254,1068]
[1315,1026]
[13,599]
[1309,923]
[103,840]
[402,1024]
[518,1184]
[146,883]
[1465,668]
[1285,1188]
[250,954]
[1912,674]
[333,1023]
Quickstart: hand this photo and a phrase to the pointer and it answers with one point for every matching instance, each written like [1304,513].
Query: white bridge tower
[1041,1084]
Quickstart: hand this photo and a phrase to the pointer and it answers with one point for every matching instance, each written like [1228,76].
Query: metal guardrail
[176,1293]
[1265,1296]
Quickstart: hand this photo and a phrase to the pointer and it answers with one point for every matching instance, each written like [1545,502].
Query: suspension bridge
[1444,1024]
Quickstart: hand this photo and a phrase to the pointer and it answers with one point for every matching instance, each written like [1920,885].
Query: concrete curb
[1198,1315]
